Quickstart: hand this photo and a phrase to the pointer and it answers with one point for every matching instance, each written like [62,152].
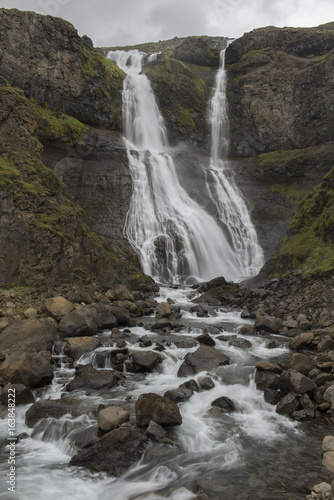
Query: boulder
[112,417]
[88,378]
[57,307]
[120,292]
[301,341]
[179,395]
[205,383]
[328,444]
[164,310]
[31,312]
[266,366]
[145,360]
[105,318]
[267,323]
[293,381]
[203,359]
[240,343]
[79,323]
[328,464]
[77,346]
[121,314]
[114,453]
[288,404]
[247,330]
[302,362]
[27,368]
[32,335]
[205,339]
[54,408]
[151,406]
[81,439]
[225,404]
[22,395]
[156,432]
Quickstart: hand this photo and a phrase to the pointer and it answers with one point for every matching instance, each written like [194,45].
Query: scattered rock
[203,359]
[32,335]
[225,404]
[77,346]
[79,323]
[27,368]
[55,408]
[145,360]
[164,310]
[120,292]
[114,453]
[57,307]
[205,383]
[301,341]
[205,339]
[88,378]
[151,406]
[22,394]
[112,417]
[293,381]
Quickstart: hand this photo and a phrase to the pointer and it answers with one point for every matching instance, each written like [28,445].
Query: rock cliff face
[281,100]
[46,58]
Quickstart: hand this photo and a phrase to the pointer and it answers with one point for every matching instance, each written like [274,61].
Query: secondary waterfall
[177,239]
[230,204]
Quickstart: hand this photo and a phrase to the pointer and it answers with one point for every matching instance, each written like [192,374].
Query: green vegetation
[292,192]
[60,126]
[7,173]
[255,53]
[309,244]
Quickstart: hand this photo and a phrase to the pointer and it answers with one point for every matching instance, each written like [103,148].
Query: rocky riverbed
[40,329]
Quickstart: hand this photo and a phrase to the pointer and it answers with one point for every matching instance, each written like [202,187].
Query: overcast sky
[128,22]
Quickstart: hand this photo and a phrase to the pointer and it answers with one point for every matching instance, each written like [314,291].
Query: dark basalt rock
[151,406]
[203,359]
[88,378]
[114,453]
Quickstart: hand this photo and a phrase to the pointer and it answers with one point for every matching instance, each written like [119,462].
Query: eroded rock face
[271,105]
[64,70]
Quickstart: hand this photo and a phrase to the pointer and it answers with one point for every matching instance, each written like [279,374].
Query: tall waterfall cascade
[178,240]
[229,201]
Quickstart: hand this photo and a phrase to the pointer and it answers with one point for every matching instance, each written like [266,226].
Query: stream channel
[251,453]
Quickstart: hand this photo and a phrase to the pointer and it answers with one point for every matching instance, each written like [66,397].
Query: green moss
[7,173]
[293,192]
[309,244]
[56,125]
[92,235]
[184,118]
[254,53]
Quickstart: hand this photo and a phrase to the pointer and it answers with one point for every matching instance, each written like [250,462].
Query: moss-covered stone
[309,244]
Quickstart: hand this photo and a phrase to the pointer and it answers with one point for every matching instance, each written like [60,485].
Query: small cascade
[230,204]
[177,239]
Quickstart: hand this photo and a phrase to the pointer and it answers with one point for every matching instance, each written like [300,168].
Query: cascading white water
[177,239]
[230,204]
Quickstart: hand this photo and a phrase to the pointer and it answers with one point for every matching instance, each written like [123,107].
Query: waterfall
[177,239]
[229,201]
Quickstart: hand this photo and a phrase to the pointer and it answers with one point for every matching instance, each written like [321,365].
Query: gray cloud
[122,22]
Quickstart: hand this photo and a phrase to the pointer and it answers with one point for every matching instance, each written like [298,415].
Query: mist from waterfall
[177,239]
[229,201]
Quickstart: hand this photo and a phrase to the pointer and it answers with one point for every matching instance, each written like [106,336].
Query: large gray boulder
[79,323]
[57,307]
[114,453]
[203,359]
[77,346]
[89,378]
[112,417]
[54,408]
[293,381]
[31,335]
[27,368]
[151,406]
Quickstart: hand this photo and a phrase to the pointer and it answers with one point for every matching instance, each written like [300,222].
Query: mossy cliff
[46,58]
[308,246]
[44,237]
[182,79]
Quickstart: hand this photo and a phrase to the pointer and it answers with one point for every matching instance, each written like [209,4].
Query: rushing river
[252,453]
